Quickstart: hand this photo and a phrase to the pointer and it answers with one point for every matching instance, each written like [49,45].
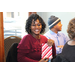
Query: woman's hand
[50,42]
[44,60]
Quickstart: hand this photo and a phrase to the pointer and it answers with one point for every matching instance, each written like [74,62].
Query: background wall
[64,16]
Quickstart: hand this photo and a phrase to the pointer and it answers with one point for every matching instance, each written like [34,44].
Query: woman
[68,52]
[29,48]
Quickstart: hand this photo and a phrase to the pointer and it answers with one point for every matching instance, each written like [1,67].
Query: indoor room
[13,24]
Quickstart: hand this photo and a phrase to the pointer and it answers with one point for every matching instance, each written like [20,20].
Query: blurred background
[14,22]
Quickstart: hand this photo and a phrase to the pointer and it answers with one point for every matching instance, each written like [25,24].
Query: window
[14,23]
[12,14]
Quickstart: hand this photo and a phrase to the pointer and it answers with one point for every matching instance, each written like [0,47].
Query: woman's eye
[38,24]
[33,25]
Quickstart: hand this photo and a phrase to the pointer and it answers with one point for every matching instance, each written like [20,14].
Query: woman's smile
[37,30]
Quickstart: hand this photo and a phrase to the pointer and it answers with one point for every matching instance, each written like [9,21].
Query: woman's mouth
[36,30]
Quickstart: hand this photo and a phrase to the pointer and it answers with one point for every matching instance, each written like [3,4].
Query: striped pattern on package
[46,51]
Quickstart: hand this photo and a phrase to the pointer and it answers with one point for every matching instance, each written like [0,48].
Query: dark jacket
[12,54]
[59,58]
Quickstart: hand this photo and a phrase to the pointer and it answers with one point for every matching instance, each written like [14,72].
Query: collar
[54,34]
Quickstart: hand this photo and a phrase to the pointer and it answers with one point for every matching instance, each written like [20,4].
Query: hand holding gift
[50,42]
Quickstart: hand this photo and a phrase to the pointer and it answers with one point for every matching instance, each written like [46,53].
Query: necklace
[39,41]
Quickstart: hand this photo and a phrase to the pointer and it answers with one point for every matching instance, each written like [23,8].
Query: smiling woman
[30,47]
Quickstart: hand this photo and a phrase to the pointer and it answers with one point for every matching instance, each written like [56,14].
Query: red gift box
[46,51]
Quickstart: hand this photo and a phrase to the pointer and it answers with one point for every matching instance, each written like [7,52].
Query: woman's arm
[21,57]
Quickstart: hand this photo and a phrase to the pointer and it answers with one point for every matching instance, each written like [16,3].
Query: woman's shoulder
[44,38]
[68,47]
[25,42]
[26,37]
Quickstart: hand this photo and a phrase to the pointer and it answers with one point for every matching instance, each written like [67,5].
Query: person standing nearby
[68,52]
[59,38]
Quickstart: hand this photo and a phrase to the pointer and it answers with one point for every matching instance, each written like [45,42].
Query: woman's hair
[29,22]
[71,28]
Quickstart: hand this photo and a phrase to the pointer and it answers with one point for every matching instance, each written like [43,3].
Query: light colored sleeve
[58,50]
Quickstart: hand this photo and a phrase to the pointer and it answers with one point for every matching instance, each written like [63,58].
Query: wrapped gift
[46,51]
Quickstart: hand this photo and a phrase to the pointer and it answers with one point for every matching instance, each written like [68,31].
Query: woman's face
[36,27]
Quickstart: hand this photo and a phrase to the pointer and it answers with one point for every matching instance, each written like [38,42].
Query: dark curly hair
[71,28]
[29,22]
